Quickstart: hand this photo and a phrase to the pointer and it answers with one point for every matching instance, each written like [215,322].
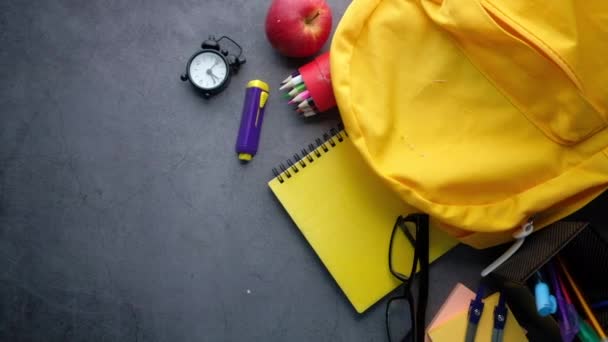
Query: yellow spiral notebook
[347,214]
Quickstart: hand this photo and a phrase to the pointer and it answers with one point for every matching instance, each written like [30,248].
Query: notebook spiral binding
[329,140]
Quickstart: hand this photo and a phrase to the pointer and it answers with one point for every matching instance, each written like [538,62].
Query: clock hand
[210,73]
[217,61]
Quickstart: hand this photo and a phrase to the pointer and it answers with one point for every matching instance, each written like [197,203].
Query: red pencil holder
[316,75]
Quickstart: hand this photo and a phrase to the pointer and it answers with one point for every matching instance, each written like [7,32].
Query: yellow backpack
[482,113]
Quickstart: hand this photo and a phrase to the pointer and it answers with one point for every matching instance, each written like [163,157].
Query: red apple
[298,28]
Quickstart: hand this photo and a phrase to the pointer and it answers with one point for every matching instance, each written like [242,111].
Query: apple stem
[310,20]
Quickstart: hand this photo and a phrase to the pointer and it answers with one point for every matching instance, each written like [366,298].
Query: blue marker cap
[545,301]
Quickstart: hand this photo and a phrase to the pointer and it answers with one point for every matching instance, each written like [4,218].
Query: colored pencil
[305,95]
[292,83]
[306,104]
[309,113]
[581,299]
[302,110]
[299,95]
[293,74]
[297,89]
[293,93]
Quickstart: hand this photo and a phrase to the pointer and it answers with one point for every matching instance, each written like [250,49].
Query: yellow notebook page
[346,213]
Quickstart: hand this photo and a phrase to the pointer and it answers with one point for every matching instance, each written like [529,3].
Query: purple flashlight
[247,141]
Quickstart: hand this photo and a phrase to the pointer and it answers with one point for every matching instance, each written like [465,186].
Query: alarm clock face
[208,70]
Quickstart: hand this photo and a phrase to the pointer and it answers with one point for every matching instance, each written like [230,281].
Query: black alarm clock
[210,69]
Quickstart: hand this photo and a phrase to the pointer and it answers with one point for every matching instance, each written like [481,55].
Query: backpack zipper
[520,236]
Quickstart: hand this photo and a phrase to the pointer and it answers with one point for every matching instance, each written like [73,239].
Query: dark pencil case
[584,252]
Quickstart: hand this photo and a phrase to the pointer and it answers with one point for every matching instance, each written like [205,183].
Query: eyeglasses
[403,321]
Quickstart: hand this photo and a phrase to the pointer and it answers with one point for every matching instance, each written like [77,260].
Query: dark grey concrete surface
[124,214]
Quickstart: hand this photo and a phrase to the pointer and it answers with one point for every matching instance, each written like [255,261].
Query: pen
[568,322]
[586,332]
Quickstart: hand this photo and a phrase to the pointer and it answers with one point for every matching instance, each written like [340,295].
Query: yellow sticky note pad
[455,329]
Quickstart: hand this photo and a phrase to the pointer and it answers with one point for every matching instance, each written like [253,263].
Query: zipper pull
[520,236]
